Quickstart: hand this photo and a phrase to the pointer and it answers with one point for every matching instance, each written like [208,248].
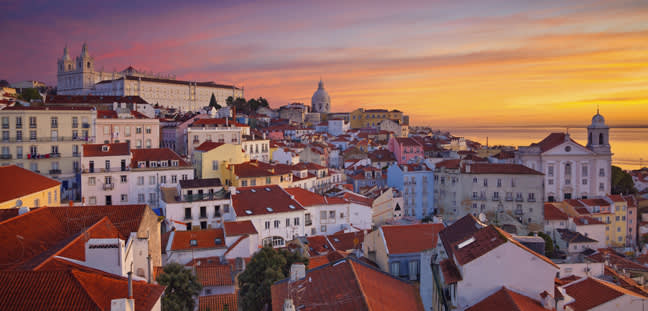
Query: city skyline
[445,64]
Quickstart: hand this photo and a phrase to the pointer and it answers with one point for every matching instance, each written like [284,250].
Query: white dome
[598,121]
[321,101]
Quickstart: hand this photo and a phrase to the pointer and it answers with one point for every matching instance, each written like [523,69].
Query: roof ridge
[74,274]
[23,214]
[357,281]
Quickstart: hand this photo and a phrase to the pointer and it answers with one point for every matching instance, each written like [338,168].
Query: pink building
[405,149]
[129,126]
[174,131]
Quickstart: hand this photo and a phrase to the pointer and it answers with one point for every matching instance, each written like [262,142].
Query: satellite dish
[18,203]
[482,217]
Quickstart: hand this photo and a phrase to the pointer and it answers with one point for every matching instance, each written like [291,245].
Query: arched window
[601,139]
[589,140]
[568,169]
[69,66]
[88,65]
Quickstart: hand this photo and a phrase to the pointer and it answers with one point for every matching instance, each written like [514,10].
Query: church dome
[321,101]
[598,121]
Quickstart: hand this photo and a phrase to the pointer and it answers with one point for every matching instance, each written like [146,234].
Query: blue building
[416,183]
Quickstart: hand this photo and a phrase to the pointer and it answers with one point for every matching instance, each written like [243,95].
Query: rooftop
[22,182]
[106,150]
[419,237]
[263,200]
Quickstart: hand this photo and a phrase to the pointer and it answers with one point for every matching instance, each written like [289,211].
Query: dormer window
[174,163]
[164,163]
[105,148]
[141,164]
[193,243]
[152,164]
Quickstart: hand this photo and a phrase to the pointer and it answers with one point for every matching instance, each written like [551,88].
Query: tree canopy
[30,93]
[182,288]
[622,182]
[266,267]
[248,106]
[213,103]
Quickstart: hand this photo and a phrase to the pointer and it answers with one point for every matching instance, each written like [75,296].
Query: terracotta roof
[358,199]
[18,182]
[112,114]
[71,290]
[346,241]
[419,237]
[449,164]
[483,241]
[406,141]
[233,228]
[205,261]
[318,245]
[317,261]
[92,99]
[592,292]
[506,299]
[617,260]
[8,213]
[200,183]
[459,231]
[217,122]
[97,150]
[208,145]
[214,275]
[582,211]
[218,302]
[211,238]
[574,237]
[595,202]
[450,271]
[308,198]
[499,168]
[624,281]
[259,169]
[263,200]
[347,284]
[551,212]
[157,154]
[574,202]
[587,220]
[551,141]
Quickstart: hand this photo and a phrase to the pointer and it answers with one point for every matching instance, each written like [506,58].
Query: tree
[229,101]
[266,267]
[213,103]
[29,94]
[182,286]
[622,182]
[549,245]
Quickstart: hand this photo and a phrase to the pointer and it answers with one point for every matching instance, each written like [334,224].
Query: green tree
[549,245]
[213,103]
[30,93]
[266,267]
[182,288]
[622,182]
[229,101]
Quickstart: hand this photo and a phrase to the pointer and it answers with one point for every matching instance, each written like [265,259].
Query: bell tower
[85,66]
[66,67]
[598,135]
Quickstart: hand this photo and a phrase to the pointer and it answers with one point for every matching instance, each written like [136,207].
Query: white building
[115,174]
[257,149]
[276,216]
[337,126]
[285,155]
[125,125]
[572,171]
[79,77]
[328,215]
[216,130]
[321,101]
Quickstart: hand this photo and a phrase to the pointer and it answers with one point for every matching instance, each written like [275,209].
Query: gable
[568,148]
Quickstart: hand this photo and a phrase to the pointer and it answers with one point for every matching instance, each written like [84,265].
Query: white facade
[274,225]
[337,127]
[198,135]
[331,218]
[285,156]
[258,149]
[321,101]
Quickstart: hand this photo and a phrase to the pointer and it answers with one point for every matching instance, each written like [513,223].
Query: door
[109,200]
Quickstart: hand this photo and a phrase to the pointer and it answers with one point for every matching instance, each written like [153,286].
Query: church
[78,77]
[572,171]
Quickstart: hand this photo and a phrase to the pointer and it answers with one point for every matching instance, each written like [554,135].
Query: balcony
[531,200]
[32,125]
[55,172]
[509,198]
[76,154]
[204,196]
[519,199]
[5,156]
[519,212]
[85,125]
[108,186]
[55,155]
[187,217]
[75,125]
[309,222]
[496,198]
[5,126]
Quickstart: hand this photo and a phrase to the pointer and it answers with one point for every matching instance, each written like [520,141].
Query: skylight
[269,209]
[193,242]
[249,212]
[267,189]
[252,190]
[466,243]
[291,206]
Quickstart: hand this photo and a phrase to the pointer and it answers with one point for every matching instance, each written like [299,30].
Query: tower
[85,66]
[598,135]
[321,101]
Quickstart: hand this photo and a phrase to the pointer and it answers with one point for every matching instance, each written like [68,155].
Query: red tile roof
[208,146]
[450,271]
[317,261]
[218,302]
[574,202]
[214,275]
[233,228]
[346,241]
[587,220]
[157,154]
[449,164]
[419,237]
[344,285]
[91,99]
[592,292]
[97,150]
[263,200]
[211,238]
[459,231]
[551,141]
[18,182]
[506,299]
[71,290]
[111,114]
[551,212]
[259,169]
[617,260]
[356,198]
[499,168]
[217,122]
[205,261]
[406,141]
[595,202]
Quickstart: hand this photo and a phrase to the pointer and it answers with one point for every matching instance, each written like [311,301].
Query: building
[505,193]
[125,125]
[387,207]
[211,159]
[371,118]
[255,173]
[416,183]
[321,101]
[276,216]
[79,77]
[571,169]
[216,130]
[257,149]
[397,248]
[344,284]
[113,173]
[405,149]
[590,293]
[48,140]
[24,188]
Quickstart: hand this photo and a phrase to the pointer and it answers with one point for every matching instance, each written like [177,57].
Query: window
[267,225]
[243,183]
[413,269]
[550,182]
[296,221]
[108,180]
[32,135]
[138,144]
[5,135]
[253,182]
[323,228]
[584,172]
[174,179]
[550,170]
[151,180]
[584,181]
[277,223]
[107,165]
[140,180]
[268,180]
[394,268]
[323,214]
[163,179]
[32,122]
[531,197]
[499,183]
[485,182]
[148,130]
[19,152]
[127,131]
[184,177]
[214,165]
[332,214]
[18,122]
[138,130]
[287,222]
[123,178]
[187,212]
[92,200]
[602,172]
[601,187]
[140,197]
[124,198]
[203,212]
[5,122]
[203,225]
[148,144]
[19,136]
[568,169]
[54,122]
[75,122]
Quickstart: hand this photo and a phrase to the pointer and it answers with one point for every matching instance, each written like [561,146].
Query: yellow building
[23,188]
[361,118]
[211,159]
[255,173]
[47,140]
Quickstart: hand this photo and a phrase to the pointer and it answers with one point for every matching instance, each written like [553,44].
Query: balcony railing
[76,154]
[85,125]
[47,139]
[5,156]
[108,186]
[308,222]
[204,196]
[531,200]
[55,155]
[518,212]
[508,198]
[496,198]
[54,172]
[519,199]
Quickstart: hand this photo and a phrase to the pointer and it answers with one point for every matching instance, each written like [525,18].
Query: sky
[445,63]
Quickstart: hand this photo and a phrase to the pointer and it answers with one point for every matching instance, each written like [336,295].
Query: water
[629,145]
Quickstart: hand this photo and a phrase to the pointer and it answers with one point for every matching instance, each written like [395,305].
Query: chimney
[130,284]
[148,260]
[288,305]
[297,272]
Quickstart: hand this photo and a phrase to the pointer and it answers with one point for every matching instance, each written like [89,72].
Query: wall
[46,197]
